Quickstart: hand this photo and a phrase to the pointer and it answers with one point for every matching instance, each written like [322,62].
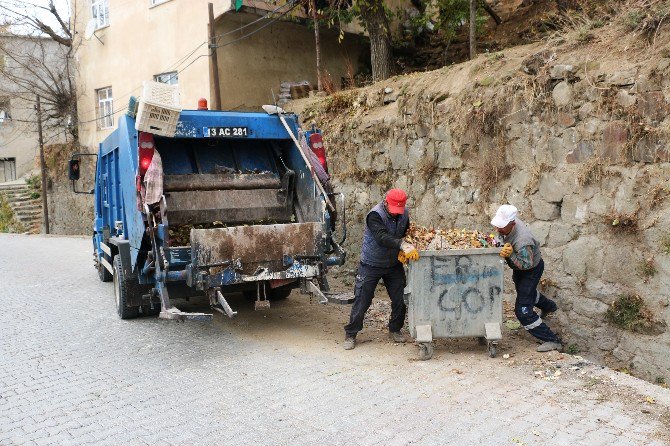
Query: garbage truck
[239,209]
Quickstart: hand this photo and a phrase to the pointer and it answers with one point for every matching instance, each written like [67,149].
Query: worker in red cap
[382,256]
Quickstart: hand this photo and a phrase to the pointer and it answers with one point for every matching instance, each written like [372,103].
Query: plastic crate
[158,93]
[158,110]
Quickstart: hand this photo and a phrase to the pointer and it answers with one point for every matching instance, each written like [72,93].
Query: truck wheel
[122,289]
[103,273]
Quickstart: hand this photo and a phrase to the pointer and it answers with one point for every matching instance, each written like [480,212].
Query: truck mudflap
[226,256]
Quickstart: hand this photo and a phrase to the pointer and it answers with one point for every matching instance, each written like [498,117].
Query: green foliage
[573,349]
[630,313]
[665,245]
[34,195]
[647,268]
[8,222]
[34,182]
[453,14]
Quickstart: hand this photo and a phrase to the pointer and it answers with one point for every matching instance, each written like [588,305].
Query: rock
[651,149]
[364,158]
[398,155]
[562,94]
[574,210]
[583,152]
[416,152]
[441,133]
[551,189]
[574,258]
[624,99]
[622,78]
[388,90]
[389,98]
[565,119]
[560,234]
[487,81]
[615,137]
[544,210]
[533,64]
[644,85]
[561,71]
[585,111]
[663,64]
[445,158]
[540,230]
[652,105]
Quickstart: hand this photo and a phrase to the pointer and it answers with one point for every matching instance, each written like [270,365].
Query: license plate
[225,132]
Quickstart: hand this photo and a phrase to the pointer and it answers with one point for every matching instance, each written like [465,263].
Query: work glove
[402,258]
[409,251]
[506,251]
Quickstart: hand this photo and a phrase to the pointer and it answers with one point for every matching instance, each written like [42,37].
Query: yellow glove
[402,258]
[506,251]
[413,255]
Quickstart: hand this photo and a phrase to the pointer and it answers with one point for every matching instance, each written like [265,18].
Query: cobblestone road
[71,372]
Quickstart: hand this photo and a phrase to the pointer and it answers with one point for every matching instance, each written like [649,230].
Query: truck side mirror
[73,171]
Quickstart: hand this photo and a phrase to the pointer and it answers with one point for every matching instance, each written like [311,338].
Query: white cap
[505,214]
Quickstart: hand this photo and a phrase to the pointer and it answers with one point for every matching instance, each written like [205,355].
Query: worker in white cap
[522,253]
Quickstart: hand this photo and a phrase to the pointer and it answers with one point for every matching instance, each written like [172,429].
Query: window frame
[96,7]
[169,73]
[154,3]
[104,108]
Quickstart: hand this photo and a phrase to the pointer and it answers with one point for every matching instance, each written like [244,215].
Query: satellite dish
[90,29]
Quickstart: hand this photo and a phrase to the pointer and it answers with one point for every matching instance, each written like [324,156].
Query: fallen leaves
[436,239]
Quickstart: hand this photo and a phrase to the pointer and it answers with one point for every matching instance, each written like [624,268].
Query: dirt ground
[300,324]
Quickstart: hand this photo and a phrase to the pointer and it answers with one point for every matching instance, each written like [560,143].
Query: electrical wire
[273,20]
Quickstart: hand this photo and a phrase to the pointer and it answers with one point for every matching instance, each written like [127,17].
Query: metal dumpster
[455,294]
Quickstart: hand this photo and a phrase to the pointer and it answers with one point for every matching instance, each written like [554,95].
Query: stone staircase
[27,210]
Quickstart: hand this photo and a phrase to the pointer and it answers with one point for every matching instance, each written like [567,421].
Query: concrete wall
[576,144]
[250,69]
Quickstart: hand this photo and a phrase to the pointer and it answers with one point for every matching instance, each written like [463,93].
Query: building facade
[18,125]
[259,46]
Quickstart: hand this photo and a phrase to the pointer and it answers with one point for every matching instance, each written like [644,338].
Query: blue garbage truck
[241,211]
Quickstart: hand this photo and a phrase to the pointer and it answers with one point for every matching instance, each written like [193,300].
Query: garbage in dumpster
[432,239]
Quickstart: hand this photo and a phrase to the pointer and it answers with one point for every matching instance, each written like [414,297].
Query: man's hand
[409,251]
[506,251]
[402,258]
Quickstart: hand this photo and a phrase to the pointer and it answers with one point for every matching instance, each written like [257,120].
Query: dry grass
[647,268]
[427,167]
[592,171]
[623,223]
[535,175]
[657,195]
[490,169]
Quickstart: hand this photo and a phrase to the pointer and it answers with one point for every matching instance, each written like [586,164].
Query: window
[4,110]
[100,13]
[171,78]
[105,108]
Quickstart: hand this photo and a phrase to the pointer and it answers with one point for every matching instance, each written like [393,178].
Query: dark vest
[373,253]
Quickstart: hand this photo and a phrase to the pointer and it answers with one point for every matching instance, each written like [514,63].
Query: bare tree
[473,29]
[39,60]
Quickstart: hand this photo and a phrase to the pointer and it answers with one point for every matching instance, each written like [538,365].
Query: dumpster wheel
[426,350]
[493,349]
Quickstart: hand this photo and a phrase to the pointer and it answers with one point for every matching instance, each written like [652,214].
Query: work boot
[349,343]
[549,346]
[398,337]
[545,313]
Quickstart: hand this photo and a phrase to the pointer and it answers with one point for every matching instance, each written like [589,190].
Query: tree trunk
[473,29]
[317,44]
[376,23]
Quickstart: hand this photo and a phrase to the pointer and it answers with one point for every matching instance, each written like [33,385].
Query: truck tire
[103,273]
[280,293]
[122,288]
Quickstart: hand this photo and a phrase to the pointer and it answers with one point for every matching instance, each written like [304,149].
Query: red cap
[395,200]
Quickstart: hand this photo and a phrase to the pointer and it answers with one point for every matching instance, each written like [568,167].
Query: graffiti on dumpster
[464,285]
